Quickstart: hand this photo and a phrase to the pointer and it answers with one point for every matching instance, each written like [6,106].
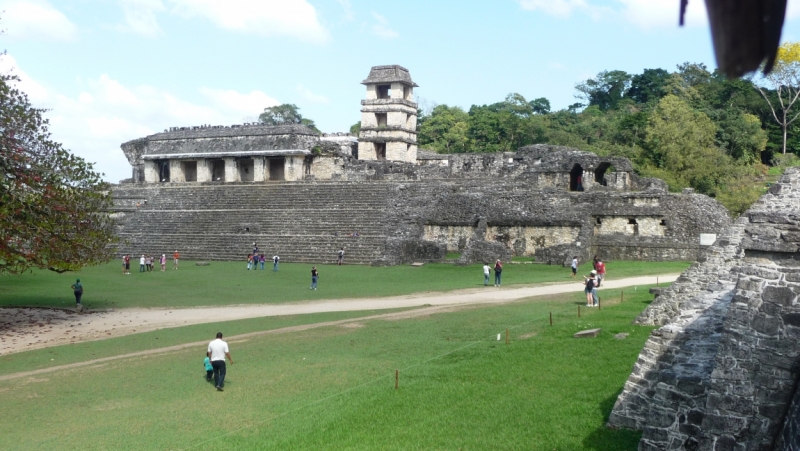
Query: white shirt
[218,349]
[141,260]
[486,270]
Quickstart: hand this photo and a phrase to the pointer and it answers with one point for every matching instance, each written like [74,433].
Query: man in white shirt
[217,351]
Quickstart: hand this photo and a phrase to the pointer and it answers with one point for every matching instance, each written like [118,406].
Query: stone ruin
[722,373]
[211,191]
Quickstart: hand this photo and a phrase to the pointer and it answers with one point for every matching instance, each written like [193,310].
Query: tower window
[380,118]
[383,91]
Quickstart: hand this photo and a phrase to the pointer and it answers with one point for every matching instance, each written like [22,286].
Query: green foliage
[445,130]
[606,90]
[355,129]
[285,114]
[53,206]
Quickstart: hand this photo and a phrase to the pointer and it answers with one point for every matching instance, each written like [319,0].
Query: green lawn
[333,387]
[227,283]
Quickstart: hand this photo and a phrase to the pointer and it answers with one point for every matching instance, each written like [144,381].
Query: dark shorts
[574,270]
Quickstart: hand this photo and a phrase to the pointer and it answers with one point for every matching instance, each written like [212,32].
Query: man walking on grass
[217,351]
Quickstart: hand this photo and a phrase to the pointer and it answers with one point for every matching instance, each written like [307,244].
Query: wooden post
[396,379]
[551,318]
[622,296]
[506,336]
[579,311]
[598,303]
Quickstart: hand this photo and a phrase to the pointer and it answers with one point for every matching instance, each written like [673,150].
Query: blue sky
[114,70]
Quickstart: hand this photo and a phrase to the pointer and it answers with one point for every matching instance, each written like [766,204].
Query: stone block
[778,295]
[588,333]
[724,424]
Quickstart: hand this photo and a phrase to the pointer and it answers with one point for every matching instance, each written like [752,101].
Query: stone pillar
[203,170]
[259,168]
[150,171]
[176,171]
[293,168]
[231,170]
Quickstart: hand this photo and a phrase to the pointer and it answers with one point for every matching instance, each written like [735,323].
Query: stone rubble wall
[723,372]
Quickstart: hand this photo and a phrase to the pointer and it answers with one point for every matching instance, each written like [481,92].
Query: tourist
[255,249]
[141,263]
[262,259]
[590,288]
[127,264]
[601,272]
[574,266]
[340,257]
[217,351]
[275,260]
[163,262]
[498,271]
[175,258]
[209,368]
[123,264]
[314,278]
[77,288]
[249,261]
[148,263]
[486,272]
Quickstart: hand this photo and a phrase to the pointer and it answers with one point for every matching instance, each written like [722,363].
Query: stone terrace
[216,222]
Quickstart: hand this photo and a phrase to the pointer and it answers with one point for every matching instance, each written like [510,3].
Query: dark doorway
[276,166]
[380,151]
[163,171]
[576,178]
[246,167]
[600,173]
[189,171]
[218,170]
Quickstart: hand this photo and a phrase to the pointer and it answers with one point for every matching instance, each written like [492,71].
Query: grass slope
[333,387]
[228,283]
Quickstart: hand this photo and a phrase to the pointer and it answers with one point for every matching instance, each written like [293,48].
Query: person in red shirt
[175,257]
[601,272]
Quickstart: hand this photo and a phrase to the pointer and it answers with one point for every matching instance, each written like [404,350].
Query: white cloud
[382,28]
[140,17]
[94,122]
[310,96]
[36,19]
[793,9]
[295,18]
[648,14]
[560,8]
[349,15]
[645,14]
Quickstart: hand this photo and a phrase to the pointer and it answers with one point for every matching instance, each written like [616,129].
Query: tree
[445,130]
[785,80]
[648,86]
[285,114]
[680,147]
[606,90]
[355,129]
[540,105]
[53,206]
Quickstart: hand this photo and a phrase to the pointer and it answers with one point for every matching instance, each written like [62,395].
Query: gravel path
[23,329]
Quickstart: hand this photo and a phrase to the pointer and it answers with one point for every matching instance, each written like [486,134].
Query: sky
[109,71]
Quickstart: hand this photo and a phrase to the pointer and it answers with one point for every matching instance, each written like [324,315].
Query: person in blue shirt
[209,368]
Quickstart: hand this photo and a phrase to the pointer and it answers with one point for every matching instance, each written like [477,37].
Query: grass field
[332,387]
[228,283]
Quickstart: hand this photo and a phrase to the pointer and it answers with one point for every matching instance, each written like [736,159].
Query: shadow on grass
[606,439]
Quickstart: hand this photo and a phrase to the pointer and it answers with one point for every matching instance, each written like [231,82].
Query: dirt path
[24,329]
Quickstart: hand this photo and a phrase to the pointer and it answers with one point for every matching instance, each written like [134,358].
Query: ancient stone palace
[212,190]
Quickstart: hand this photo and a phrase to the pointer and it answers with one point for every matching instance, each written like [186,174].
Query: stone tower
[388,116]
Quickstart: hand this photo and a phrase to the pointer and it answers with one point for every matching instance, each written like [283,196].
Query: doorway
[276,165]
[576,178]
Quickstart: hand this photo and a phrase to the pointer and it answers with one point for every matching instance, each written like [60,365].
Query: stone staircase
[300,221]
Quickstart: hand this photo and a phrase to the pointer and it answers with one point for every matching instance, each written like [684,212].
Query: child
[209,369]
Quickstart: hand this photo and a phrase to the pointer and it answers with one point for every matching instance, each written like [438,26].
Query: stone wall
[722,373]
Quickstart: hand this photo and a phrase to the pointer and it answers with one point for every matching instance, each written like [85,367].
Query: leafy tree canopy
[53,206]
[285,114]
